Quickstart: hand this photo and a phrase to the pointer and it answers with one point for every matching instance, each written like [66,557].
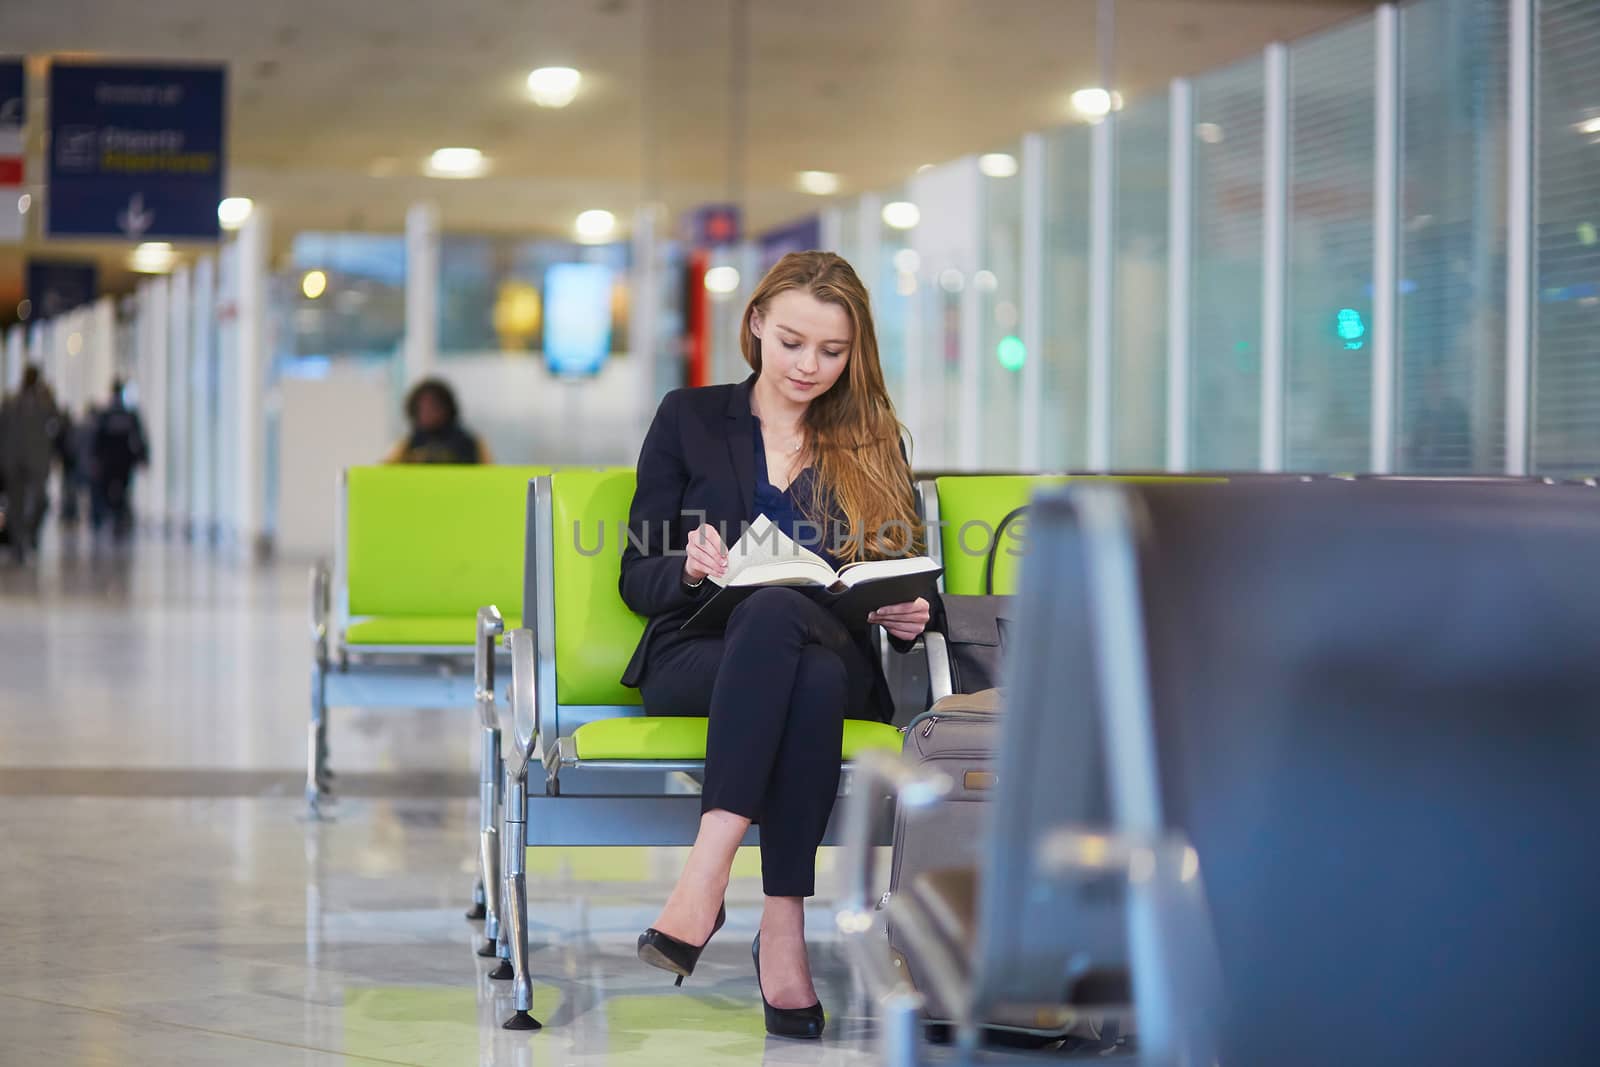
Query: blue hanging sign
[713,225]
[136,152]
[802,236]
[56,286]
[13,94]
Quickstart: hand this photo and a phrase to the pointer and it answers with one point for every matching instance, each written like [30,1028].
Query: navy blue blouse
[782,507]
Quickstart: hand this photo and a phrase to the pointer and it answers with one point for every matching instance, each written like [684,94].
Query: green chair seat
[645,738]
[419,630]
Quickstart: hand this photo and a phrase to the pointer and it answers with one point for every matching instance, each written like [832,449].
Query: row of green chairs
[611,775]
[418,550]
[425,603]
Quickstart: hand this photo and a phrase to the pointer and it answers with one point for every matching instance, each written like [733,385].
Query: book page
[877,569]
[786,572]
[762,544]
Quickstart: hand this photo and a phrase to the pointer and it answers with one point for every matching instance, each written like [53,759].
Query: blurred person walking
[118,449]
[29,424]
[69,443]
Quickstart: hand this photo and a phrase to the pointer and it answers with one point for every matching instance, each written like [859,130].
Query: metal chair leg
[480,907]
[900,1033]
[501,942]
[516,883]
[486,905]
[317,745]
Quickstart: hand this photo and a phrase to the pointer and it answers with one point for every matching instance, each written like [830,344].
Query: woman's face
[805,344]
[431,412]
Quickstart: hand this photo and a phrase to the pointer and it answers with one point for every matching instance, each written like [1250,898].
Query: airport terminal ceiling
[335,108]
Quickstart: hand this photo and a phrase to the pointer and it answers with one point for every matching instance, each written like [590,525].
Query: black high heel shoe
[787,1022]
[667,952]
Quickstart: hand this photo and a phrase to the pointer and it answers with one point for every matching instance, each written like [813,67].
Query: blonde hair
[854,437]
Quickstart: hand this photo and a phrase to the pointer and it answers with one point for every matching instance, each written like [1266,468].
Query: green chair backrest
[595,632]
[972,507]
[432,539]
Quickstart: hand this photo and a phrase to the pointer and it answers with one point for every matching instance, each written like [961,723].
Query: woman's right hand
[707,556]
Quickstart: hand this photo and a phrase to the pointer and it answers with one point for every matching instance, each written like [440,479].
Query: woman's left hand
[904,621]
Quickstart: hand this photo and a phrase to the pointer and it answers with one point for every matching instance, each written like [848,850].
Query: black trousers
[777,686]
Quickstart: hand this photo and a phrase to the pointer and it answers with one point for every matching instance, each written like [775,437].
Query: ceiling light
[1209,132]
[554,86]
[1589,126]
[314,284]
[985,281]
[457,163]
[722,280]
[906,261]
[152,257]
[818,182]
[1095,104]
[233,211]
[901,215]
[24,203]
[998,165]
[596,226]
[952,280]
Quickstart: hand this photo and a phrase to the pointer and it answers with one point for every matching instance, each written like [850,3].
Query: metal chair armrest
[524,701]
[321,584]
[940,681]
[490,627]
[1172,951]
[859,920]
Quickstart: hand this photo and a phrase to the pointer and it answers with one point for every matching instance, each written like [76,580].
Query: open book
[765,556]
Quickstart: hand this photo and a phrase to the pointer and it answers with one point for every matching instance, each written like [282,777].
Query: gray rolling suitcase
[958,736]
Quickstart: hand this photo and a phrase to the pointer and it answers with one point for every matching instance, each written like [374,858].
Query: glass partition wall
[1314,264]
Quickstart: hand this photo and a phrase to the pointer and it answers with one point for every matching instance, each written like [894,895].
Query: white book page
[873,570]
[763,545]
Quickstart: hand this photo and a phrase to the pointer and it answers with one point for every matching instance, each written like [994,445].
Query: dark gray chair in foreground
[1373,711]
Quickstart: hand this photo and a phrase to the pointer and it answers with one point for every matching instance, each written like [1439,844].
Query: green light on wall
[1011,352]
[1352,329]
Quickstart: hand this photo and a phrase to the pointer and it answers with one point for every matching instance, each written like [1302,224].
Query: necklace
[799,439]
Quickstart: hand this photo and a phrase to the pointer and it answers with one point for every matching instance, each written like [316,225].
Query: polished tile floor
[162,901]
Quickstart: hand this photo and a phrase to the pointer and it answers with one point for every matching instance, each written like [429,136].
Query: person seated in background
[437,435]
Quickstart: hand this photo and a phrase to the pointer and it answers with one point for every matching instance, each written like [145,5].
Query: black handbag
[975,625]
[975,639]
[994,546]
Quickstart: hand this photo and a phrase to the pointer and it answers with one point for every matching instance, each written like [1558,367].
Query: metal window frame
[1386,243]
[1275,256]
[1180,271]
[1033,267]
[970,432]
[1520,252]
[1102,287]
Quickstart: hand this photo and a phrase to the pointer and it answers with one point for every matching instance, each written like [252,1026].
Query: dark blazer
[697,465]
